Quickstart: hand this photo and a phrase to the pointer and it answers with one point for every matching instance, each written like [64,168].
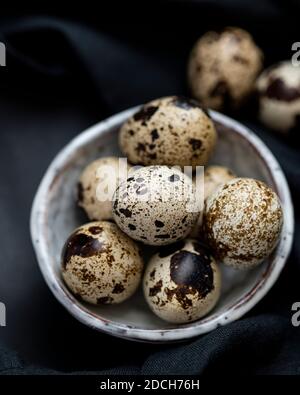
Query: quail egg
[156,205]
[279,96]
[169,131]
[182,282]
[100,264]
[242,222]
[214,177]
[223,67]
[97,185]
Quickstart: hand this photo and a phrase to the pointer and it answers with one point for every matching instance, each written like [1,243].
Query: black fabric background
[69,69]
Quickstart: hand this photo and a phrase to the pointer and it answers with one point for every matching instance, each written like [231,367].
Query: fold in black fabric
[242,343]
[65,72]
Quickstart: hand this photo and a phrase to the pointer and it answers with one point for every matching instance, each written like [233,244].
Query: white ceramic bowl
[54,216]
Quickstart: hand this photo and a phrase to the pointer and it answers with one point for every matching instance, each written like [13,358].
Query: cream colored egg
[182,282]
[97,185]
[242,222]
[223,67]
[169,131]
[278,90]
[100,264]
[155,205]
[213,178]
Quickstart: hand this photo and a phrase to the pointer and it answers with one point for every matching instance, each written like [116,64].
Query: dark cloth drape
[68,70]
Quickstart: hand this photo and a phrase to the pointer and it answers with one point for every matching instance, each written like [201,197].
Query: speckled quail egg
[156,205]
[213,178]
[169,131]
[182,282]
[242,222]
[97,185]
[223,67]
[100,264]
[279,96]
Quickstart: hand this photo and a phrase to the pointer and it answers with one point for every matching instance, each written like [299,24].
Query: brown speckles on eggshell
[82,245]
[101,267]
[153,291]
[140,148]
[165,138]
[126,212]
[145,114]
[222,70]
[189,282]
[181,295]
[195,143]
[95,230]
[278,92]
[242,222]
[156,209]
[105,300]
[118,288]
[154,134]
[192,271]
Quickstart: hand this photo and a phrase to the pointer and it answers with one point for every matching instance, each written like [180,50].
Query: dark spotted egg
[278,90]
[182,282]
[100,264]
[155,205]
[242,222]
[169,131]
[223,67]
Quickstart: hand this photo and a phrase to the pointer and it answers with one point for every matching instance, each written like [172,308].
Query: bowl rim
[182,332]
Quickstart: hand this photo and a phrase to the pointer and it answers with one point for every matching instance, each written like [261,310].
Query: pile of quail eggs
[103,261]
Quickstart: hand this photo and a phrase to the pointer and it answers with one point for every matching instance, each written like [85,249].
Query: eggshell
[242,222]
[98,180]
[169,131]
[182,282]
[278,90]
[223,67]
[100,264]
[213,178]
[156,205]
